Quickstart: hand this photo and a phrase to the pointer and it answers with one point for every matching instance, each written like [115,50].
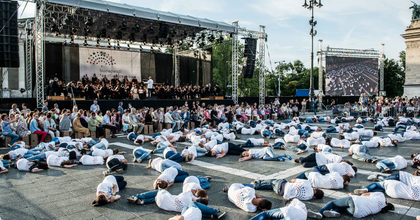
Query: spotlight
[185,34]
[141,48]
[191,43]
[173,33]
[54,27]
[150,29]
[123,25]
[151,48]
[73,31]
[87,31]
[89,21]
[160,50]
[97,43]
[128,46]
[108,23]
[85,43]
[136,27]
[180,42]
[109,44]
[71,40]
[118,44]
[161,44]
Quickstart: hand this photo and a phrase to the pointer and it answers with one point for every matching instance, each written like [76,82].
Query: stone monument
[412,42]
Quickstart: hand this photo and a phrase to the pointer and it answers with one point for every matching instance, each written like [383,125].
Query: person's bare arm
[222,154]
[246,158]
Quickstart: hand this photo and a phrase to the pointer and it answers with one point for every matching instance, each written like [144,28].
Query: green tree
[394,77]
[402,59]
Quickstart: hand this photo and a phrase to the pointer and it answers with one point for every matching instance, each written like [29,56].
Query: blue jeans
[378,128]
[206,211]
[99,145]
[204,183]
[173,124]
[331,129]
[268,134]
[175,156]
[376,187]
[169,163]
[55,139]
[182,175]
[277,185]
[302,132]
[201,152]
[133,137]
[39,157]
[300,146]
[252,124]
[279,132]
[270,156]
[93,142]
[394,176]
[345,204]
[273,214]
[309,120]
[155,135]
[160,148]
[141,154]
[186,122]
[278,145]
[14,137]
[6,164]
[326,135]
[321,169]
[303,175]
[385,164]
[148,197]
[248,143]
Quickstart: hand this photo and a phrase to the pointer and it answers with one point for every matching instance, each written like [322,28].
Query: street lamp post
[279,62]
[312,22]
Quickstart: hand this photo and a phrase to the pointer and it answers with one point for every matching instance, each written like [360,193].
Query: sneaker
[282,159]
[289,157]
[132,199]
[315,215]
[219,215]
[375,160]
[300,151]
[152,152]
[106,173]
[386,171]
[208,178]
[119,171]
[331,214]
[372,177]
[360,191]
[226,189]
[297,160]
[368,161]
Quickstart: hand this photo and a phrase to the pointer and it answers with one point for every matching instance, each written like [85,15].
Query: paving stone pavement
[67,193]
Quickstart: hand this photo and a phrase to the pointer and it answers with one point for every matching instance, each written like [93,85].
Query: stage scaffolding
[71,17]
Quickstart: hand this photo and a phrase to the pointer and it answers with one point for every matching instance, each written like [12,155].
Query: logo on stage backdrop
[101,58]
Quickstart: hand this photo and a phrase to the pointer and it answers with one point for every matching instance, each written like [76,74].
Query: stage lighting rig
[173,33]
[123,25]
[108,23]
[150,29]
[136,28]
[89,21]
[87,31]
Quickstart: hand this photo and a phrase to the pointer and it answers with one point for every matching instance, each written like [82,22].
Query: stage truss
[55,12]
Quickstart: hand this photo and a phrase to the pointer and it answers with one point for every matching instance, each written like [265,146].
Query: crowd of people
[117,88]
[351,76]
[215,130]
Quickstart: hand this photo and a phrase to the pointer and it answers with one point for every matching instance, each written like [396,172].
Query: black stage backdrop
[188,71]
[164,68]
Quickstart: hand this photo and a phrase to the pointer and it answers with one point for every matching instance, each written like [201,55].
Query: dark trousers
[110,127]
[120,182]
[116,164]
[234,149]
[309,161]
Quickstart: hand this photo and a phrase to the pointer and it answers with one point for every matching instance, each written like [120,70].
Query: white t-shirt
[190,150]
[301,189]
[351,136]
[157,164]
[399,162]
[295,211]
[326,158]
[118,156]
[250,131]
[192,213]
[174,203]
[257,142]
[54,160]
[105,142]
[409,179]
[335,142]
[317,134]
[23,164]
[365,206]
[106,185]
[209,145]
[315,141]
[242,197]
[324,148]
[91,160]
[168,176]
[258,153]
[218,148]
[398,190]
[17,152]
[291,138]
[342,168]
[332,180]
[102,153]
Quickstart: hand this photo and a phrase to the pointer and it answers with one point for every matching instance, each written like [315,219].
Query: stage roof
[146,13]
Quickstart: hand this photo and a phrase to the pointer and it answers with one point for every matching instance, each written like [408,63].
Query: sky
[354,24]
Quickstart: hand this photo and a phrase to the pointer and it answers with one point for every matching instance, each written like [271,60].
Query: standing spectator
[50,127]
[120,108]
[303,106]
[149,86]
[45,107]
[95,107]
[315,105]
[14,109]
[106,124]
[7,128]
[35,129]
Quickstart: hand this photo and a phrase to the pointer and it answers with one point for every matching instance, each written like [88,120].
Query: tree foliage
[394,76]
